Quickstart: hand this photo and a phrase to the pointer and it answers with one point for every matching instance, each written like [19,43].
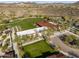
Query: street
[54,40]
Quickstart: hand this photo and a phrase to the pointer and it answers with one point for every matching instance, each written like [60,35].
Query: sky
[39,0]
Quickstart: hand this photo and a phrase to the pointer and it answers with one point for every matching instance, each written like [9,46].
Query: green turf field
[26,23]
[37,49]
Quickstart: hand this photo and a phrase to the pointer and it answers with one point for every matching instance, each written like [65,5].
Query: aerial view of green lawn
[37,49]
[25,23]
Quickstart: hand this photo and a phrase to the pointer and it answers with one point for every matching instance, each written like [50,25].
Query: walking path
[66,54]
[4,42]
[15,44]
[1,53]
[27,43]
[54,40]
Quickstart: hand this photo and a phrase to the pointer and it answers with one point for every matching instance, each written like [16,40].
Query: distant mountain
[76,3]
[38,2]
[23,9]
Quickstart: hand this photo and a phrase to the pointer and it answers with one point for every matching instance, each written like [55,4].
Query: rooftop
[31,31]
[45,23]
[57,56]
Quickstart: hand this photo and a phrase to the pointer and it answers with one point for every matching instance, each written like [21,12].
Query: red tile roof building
[57,56]
[45,23]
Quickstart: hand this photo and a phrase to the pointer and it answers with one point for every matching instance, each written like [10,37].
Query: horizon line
[38,1]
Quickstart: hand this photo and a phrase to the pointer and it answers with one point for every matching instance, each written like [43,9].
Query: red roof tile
[45,23]
[56,56]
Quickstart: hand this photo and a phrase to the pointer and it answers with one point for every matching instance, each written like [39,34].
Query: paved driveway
[56,41]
